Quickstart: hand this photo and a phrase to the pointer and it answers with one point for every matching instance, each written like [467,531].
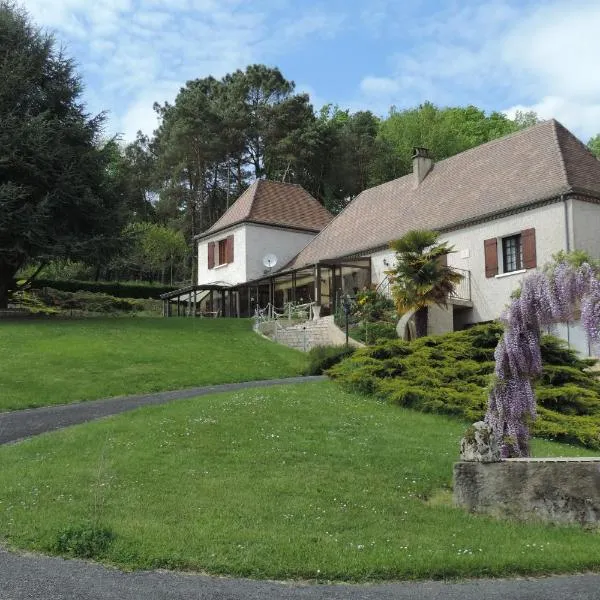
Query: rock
[480,444]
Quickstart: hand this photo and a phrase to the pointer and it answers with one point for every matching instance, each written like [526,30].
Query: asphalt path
[28,577]
[20,424]
[33,577]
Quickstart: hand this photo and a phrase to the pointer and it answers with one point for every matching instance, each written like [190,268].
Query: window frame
[221,253]
[515,259]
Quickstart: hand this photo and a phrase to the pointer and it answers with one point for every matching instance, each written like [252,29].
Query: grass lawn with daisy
[302,482]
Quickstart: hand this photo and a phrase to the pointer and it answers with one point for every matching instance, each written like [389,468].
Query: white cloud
[582,117]
[377,86]
[131,51]
[540,56]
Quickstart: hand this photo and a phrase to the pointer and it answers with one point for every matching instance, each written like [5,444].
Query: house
[506,207]
[270,219]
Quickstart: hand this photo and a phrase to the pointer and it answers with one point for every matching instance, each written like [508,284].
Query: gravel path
[26,423]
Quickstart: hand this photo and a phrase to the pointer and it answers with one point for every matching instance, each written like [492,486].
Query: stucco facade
[251,243]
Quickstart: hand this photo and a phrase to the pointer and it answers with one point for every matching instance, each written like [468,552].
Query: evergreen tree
[56,200]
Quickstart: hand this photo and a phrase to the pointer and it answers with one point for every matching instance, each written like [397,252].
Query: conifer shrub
[321,358]
[451,374]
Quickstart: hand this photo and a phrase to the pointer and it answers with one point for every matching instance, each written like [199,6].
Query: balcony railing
[462,291]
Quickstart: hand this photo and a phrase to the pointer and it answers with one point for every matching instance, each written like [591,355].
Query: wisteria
[546,298]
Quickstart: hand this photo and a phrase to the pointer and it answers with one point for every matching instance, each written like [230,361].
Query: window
[518,253]
[512,253]
[222,252]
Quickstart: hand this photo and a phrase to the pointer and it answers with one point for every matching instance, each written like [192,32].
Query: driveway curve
[20,424]
[25,577]
[30,576]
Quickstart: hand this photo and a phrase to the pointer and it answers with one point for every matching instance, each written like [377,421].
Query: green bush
[89,302]
[451,374]
[322,358]
[32,302]
[370,333]
[111,288]
[84,541]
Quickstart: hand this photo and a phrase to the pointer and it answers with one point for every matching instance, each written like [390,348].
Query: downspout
[565,199]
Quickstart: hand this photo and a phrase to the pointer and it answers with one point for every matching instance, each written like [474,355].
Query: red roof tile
[534,164]
[275,203]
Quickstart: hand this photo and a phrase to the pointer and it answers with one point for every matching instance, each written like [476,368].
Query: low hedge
[451,374]
[112,288]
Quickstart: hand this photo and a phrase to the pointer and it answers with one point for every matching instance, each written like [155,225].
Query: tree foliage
[56,199]
[420,276]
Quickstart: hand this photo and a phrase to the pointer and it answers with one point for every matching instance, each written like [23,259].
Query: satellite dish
[269,260]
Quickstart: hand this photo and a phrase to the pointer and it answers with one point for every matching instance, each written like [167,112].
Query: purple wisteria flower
[545,299]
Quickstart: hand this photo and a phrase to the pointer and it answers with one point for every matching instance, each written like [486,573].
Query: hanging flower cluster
[546,299]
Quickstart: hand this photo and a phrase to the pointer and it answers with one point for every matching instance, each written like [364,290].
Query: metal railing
[462,291]
[290,311]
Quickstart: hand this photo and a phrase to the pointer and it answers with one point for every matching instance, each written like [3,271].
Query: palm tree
[421,275]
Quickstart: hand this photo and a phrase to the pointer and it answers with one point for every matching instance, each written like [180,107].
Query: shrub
[451,374]
[112,288]
[370,333]
[84,541]
[33,303]
[322,358]
[89,301]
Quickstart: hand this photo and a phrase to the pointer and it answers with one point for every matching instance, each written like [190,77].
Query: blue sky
[496,54]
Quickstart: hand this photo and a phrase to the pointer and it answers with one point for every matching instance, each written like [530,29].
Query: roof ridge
[489,143]
[561,154]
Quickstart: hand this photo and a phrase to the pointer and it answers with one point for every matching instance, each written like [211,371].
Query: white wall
[491,295]
[261,240]
[586,227]
[250,244]
[231,273]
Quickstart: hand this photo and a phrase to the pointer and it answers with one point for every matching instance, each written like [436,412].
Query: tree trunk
[421,321]
[7,274]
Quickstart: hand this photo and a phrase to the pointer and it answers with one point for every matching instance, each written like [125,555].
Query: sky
[502,55]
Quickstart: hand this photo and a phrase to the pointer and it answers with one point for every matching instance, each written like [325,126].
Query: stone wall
[557,490]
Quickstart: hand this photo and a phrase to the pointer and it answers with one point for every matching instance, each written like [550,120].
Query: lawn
[302,481]
[56,362]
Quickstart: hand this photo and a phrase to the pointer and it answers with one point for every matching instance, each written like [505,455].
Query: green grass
[300,481]
[56,362]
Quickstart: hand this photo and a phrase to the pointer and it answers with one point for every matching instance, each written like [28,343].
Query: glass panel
[511,253]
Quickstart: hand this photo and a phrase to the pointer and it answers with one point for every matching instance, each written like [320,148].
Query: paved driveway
[28,577]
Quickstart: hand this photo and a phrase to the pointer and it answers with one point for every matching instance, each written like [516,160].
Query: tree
[56,200]
[421,276]
[594,145]
[155,250]
[444,131]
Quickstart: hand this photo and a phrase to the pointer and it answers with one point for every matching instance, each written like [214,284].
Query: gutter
[207,234]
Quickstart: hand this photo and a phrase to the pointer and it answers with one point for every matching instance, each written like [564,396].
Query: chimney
[422,164]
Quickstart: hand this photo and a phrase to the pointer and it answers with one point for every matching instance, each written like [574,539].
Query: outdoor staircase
[305,335]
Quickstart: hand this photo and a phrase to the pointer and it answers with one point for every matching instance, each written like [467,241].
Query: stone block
[556,490]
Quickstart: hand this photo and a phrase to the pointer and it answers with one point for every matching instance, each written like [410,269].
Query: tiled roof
[275,203]
[534,164]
